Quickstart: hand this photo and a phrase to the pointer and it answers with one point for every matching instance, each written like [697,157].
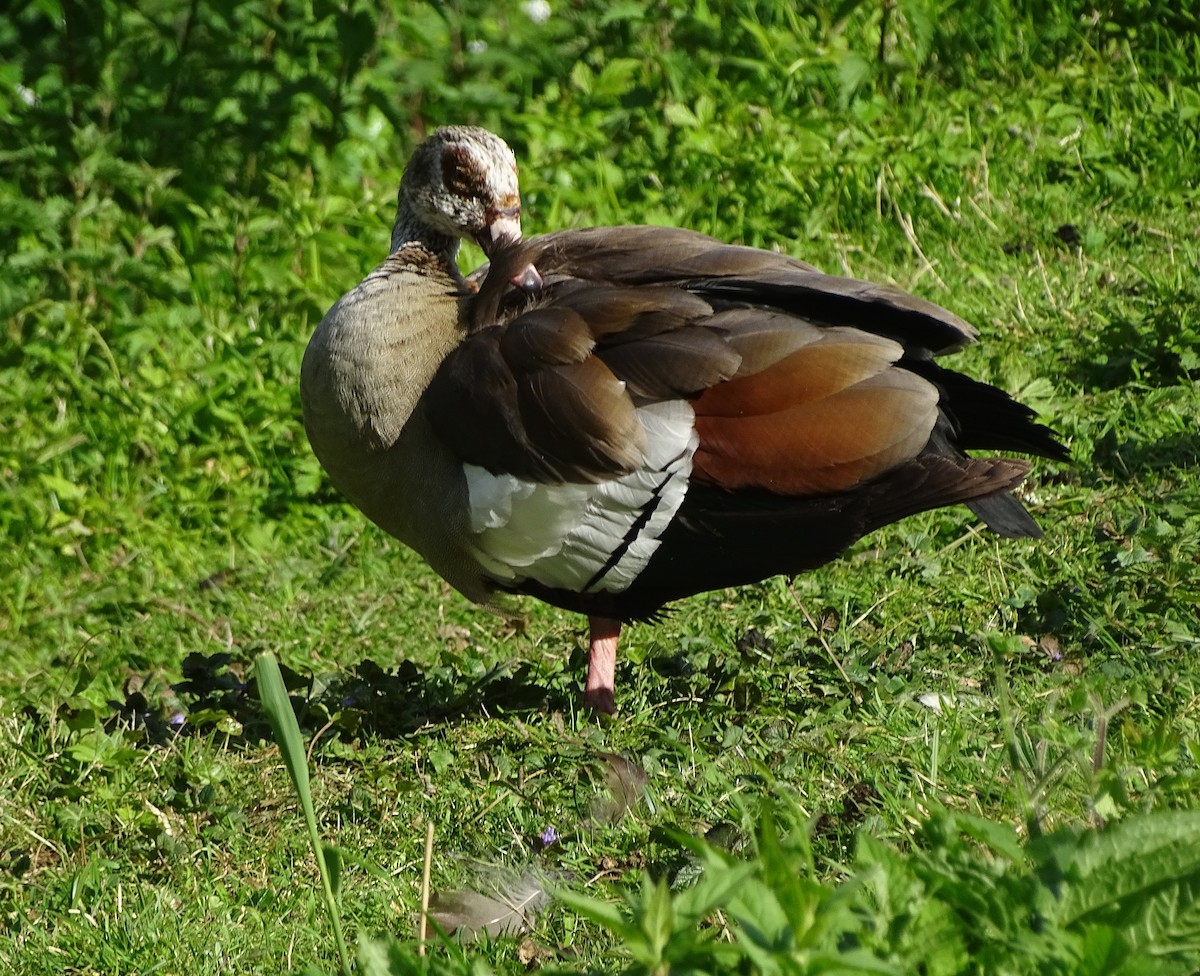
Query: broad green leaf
[1001,838]
[1141,875]
[65,490]
[603,913]
[657,919]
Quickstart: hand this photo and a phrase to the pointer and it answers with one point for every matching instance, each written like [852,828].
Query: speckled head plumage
[461,183]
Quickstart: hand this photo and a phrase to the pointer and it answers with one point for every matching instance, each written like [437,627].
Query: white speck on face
[537,10]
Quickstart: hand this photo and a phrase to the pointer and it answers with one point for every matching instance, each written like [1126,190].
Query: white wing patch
[585,537]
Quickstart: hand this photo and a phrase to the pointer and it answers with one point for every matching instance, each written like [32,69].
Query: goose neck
[410,230]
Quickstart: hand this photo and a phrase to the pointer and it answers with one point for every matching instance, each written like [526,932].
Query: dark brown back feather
[548,412]
[802,383]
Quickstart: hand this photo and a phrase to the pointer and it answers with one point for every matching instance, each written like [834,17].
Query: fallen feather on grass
[509,910]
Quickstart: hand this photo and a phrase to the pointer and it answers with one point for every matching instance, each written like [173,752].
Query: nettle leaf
[602,913]
[1142,876]
[853,72]
[717,886]
[623,11]
[1001,838]
[1103,951]
[657,919]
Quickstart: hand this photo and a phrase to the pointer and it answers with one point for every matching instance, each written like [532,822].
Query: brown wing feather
[835,361]
[762,337]
[546,337]
[580,415]
[683,363]
[725,273]
[829,444]
[530,401]
[625,313]
[802,383]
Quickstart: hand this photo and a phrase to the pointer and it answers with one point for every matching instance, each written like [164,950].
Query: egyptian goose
[623,416]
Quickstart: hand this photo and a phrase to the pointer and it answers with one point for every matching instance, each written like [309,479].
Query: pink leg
[598,693]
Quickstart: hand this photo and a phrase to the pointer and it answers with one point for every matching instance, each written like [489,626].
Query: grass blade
[278,706]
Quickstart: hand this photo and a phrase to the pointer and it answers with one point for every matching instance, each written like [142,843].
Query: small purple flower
[549,836]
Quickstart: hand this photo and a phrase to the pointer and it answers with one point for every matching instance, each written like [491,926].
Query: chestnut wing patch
[826,417]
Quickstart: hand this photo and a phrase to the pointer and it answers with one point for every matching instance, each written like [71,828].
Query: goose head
[460,183]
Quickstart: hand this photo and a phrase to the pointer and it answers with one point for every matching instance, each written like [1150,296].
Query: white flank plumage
[658,488]
[585,537]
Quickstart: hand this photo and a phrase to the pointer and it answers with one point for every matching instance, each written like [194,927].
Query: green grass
[183,194]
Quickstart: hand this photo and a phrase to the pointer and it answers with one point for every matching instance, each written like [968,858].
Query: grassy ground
[183,194]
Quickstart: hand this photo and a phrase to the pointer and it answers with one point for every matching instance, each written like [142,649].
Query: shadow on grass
[1177,452]
[366,700]
[218,691]
[1156,348]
